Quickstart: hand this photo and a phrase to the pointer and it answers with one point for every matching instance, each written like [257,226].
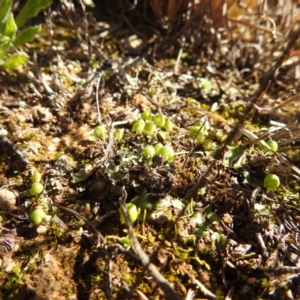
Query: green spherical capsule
[118,134]
[100,132]
[132,212]
[194,131]
[157,147]
[273,145]
[37,216]
[36,189]
[149,128]
[36,177]
[169,125]
[138,126]
[159,120]
[148,151]
[271,182]
[200,137]
[146,115]
[167,153]
[197,133]
[262,148]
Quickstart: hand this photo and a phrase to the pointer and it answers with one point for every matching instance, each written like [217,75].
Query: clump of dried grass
[189,17]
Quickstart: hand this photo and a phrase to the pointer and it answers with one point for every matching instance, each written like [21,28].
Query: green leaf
[125,241]
[132,213]
[200,232]
[27,34]
[9,28]
[213,217]
[5,8]
[15,60]
[31,9]
[220,240]
[82,174]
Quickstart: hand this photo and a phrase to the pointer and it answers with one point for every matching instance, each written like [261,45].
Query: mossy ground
[206,223]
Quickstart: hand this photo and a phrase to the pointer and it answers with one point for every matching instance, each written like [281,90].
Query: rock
[7,200]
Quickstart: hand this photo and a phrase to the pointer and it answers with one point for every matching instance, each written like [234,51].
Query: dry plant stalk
[213,9]
[168,8]
[216,10]
[160,280]
[172,9]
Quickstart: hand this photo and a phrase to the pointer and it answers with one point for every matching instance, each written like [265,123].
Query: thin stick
[81,217]
[5,143]
[266,18]
[177,64]
[254,137]
[170,294]
[255,26]
[236,132]
[269,110]
[97,99]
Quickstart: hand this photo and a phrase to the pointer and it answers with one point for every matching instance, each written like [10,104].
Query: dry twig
[236,133]
[170,294]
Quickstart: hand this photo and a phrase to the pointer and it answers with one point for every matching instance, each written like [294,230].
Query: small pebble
[42,229]
[7,200]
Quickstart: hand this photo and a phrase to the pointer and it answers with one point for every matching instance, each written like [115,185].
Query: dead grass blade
[238,130]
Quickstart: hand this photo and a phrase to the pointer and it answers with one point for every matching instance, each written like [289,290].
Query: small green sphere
[157,147]
[149,128]
[273,145]
[36,177]
[132,212]
[198,133]
[138,126]
[148,151]
[100,132]
[169,126]
[36,189]
[37,216]
[159,120]
[271,182]
[167,153]
[118,134]
[194,131]
[146,115]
